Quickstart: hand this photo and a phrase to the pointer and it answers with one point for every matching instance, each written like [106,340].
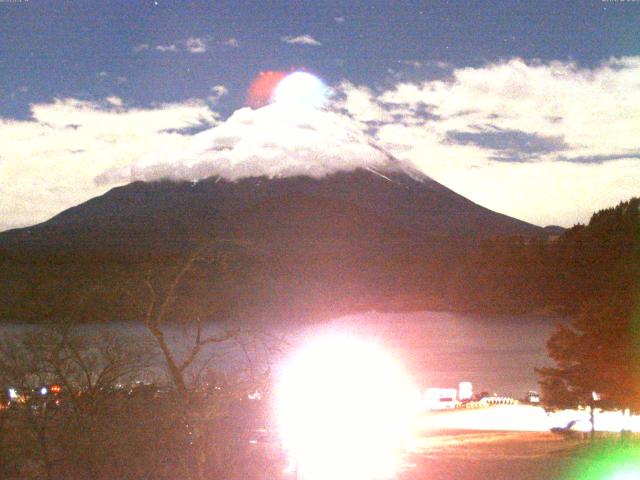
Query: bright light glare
[630,475]
[301,88]
[346,410]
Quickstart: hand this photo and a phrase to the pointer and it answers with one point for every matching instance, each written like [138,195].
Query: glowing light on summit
[301,88]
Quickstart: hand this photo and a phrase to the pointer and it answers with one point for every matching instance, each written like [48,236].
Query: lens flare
[301,88]
[262,87]
[611,461]
[346,409]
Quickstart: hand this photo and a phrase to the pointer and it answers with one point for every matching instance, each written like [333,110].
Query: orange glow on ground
[346,410]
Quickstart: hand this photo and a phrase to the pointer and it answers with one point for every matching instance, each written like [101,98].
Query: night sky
[529,108]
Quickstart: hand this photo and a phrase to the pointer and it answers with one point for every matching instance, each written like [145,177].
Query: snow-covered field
[509,442]
[491,455]
[527,418]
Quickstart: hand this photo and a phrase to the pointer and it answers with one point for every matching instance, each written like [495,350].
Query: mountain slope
[346,241]
[414,202]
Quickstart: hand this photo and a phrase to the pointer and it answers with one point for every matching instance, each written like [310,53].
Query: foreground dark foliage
[599,350]
[99,423]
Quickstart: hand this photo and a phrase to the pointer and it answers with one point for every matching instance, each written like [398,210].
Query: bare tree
[65,432]
[154,302]
[208,402]
[200,428]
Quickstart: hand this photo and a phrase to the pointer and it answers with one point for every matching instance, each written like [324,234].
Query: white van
[440,398]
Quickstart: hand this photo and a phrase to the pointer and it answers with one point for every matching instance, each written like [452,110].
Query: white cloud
[166,48]
[217,91]
[339,19]
[141,47]
[412,63]
[191,45]
[196,45]
[301,40]
[361,103]
[231,42]
[595,110]
[115,101]
[49,162]
[469,130]
[276,141]
[460,130]
[548,192]
[104,76]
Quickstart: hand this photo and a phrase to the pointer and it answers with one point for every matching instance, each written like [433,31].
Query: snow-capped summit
[276,141]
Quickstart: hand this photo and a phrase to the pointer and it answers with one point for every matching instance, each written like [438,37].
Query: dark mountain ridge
[348,241]
[410,201]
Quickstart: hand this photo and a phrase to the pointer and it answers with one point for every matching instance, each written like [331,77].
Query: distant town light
[533,397]
[255,395]
[44,391]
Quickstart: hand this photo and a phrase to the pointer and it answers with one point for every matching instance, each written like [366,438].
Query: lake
[495,353]
[440,349]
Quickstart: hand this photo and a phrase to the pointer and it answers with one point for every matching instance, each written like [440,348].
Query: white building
[439,398]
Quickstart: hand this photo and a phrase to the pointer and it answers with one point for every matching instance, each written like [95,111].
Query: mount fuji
[305,218]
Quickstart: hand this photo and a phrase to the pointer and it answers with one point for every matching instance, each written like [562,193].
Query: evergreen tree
[599,350]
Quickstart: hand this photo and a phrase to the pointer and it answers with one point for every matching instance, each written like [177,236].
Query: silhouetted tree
[209,427]
[599,350]
[72,433]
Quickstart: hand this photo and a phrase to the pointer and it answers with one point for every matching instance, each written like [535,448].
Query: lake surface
[496,353]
